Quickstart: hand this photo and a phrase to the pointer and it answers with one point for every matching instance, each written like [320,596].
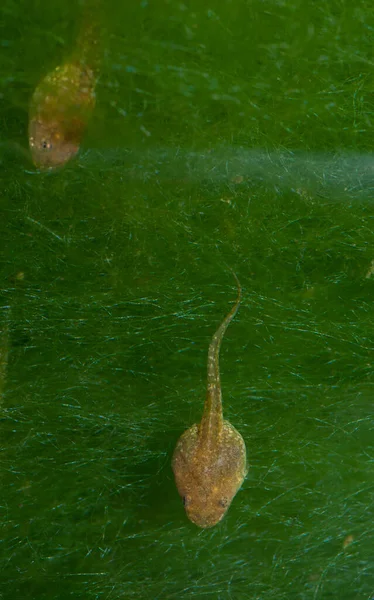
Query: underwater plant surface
[236,135]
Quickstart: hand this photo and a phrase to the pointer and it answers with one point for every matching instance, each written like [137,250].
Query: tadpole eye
[46,145]
[185,500]
[223,502]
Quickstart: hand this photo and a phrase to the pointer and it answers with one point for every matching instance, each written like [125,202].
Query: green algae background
[226,135]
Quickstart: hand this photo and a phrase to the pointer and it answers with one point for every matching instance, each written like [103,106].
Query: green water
[231,134]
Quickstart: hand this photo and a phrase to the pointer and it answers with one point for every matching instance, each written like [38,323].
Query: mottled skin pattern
[61,107]
[209,461]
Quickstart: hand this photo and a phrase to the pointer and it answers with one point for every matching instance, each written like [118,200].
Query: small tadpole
[209,461]
[64,100]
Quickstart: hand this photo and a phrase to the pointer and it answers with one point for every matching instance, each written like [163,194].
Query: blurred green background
[228,134]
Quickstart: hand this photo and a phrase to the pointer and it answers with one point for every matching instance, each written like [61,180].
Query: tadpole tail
[89,46]
[212,415]
[215,345]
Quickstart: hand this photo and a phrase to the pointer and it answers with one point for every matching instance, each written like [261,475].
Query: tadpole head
[207,483]
[49,147]
[207,508]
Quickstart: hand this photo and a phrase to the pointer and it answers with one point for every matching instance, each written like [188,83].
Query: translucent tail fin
[88,48]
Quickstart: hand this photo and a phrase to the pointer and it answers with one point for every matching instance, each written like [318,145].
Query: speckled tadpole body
[62,105]
[209,461]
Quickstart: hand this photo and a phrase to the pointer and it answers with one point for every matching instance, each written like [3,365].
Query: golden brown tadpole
[209,461]
[62,105]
